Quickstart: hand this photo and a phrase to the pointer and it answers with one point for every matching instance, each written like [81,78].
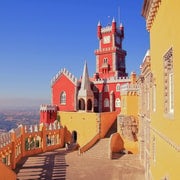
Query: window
[154,149]
[154,98]
[118,87]
[105,60]
[106,88]
[168,82]
[118,102]
[63,98]
[106,102]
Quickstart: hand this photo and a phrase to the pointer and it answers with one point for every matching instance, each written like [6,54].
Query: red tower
[110,57]
[48,113]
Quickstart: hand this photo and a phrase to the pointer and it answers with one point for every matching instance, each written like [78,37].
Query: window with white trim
[118,87]
[154,98]
[118,102]
[168,82]
[106,88]
[106,102]
[63,98]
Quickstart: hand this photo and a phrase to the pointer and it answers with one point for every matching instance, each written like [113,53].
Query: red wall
[48,116]
[64,84]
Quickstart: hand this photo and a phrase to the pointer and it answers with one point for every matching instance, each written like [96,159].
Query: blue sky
[39,37]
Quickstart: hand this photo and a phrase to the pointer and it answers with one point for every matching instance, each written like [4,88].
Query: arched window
[118,87]
[118,102]
[106,102]
[63,98]
[89,104]
[81,104]
[106,88]
[105,60]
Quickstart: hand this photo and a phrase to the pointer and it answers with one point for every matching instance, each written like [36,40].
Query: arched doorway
[74,136]
[81,104]
[89,105]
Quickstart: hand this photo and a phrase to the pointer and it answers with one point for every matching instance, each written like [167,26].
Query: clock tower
[110,57]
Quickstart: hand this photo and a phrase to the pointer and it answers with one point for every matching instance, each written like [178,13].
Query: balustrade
[29,140]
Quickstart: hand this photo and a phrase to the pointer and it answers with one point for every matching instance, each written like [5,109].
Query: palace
[100,93]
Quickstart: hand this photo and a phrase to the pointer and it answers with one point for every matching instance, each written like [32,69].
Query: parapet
[112,80]
[48,107]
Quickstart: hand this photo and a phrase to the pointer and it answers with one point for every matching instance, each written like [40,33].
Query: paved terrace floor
[61,165]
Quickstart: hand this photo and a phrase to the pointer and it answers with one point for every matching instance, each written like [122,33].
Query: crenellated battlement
[48,107]
[106,29]
[113,80]
[127,89]
[64,71]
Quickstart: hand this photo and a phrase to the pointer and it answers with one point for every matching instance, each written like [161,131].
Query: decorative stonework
[106,29]
[150,9]
[168,82]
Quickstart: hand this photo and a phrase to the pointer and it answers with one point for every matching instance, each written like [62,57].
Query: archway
[74,136]
[89,105]
[81,104]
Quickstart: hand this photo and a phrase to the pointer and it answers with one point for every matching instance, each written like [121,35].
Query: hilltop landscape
[12,117]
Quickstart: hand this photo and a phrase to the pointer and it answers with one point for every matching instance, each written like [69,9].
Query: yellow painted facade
[129,104]
[162,20]
[85,124]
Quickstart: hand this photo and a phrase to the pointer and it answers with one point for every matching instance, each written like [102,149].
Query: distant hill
[11,118]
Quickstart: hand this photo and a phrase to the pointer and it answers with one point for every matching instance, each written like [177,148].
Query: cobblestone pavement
[60,164]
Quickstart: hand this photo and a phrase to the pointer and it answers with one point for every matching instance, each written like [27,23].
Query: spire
[85,89]
[99,23]
[85,83]
[113,20]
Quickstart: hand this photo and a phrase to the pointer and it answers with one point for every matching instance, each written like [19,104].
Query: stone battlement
[64,71]
[48,107]
[112,80]
[106,29]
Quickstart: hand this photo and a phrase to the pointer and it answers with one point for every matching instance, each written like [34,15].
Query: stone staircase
[99,150]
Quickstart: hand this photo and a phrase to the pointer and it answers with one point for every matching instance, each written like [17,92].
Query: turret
[122,30]
[133,77]
[99,35]
[113,26]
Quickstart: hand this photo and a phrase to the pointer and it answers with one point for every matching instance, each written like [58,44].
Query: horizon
[38,38]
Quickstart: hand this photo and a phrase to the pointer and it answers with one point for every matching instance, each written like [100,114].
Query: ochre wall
[130,106]
[85,124]
[6,172]
[107,119]
[164,34]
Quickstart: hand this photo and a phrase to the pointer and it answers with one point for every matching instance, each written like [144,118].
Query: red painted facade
[64,85]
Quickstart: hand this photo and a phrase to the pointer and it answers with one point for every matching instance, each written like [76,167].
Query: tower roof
[85,89]
[85,83]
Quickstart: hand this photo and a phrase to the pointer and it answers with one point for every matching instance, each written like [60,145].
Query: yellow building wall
[85,124]
[164,34]
[130,105]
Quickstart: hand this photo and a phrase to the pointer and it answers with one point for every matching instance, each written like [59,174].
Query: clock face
[118,40]
[106,39]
